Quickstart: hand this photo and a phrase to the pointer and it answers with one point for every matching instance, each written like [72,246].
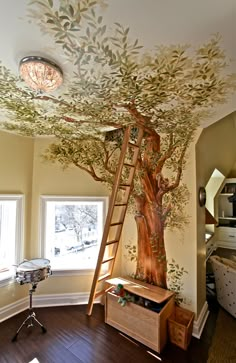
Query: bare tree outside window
[11,234]
[72,231]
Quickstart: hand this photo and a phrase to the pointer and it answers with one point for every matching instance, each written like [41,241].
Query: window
[71,231]
[10,234]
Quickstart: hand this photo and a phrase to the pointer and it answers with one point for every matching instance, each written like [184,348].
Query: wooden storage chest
[144,325]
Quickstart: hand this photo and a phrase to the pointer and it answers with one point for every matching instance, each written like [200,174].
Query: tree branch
[107,159]
[94,175]
[165,156]
[180,164]
[90,171]
[72,119]
[141,120]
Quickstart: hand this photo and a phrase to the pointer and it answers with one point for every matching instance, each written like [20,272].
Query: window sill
[72,272]
[6,278]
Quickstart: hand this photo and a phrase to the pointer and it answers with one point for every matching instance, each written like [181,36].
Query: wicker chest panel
[144,325]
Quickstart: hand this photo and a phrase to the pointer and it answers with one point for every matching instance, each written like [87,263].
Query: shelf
[227,209]
[226,229]
[226,194]
[229,187]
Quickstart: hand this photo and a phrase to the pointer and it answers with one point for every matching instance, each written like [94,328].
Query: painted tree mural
[116,82]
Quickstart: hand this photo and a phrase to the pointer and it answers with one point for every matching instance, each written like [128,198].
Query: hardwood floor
[73,337]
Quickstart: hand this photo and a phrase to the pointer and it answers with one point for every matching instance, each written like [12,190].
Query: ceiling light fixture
[40,74]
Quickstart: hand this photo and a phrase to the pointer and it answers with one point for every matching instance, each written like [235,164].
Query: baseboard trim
[13,309]
[199,324]
[45,301]
[80,299]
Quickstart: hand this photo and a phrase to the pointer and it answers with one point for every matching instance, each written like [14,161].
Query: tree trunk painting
[151,265]
[116,82]
[150,219]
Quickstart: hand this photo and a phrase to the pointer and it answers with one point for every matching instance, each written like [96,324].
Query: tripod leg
[14,338]
[31,317]
[24,323]
[41,325]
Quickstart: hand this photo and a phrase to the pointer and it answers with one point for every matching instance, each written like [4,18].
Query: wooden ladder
[118,204]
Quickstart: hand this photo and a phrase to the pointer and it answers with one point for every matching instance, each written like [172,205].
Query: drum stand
[31,317]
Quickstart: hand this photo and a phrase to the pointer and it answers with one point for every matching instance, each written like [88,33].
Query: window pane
[10,231]
[72,231]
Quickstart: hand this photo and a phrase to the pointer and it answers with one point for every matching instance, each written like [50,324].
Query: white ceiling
[153,22]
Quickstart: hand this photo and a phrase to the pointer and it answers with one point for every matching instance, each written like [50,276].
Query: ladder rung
[103,277]
[129,165]
[108,259]
[102,292]
[116,224]
[99,293]
[111,242]
[124,185]
[120,204]
[133,145]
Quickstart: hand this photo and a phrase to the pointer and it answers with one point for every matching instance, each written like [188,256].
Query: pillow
[233,258]
[229,262]
[225,261]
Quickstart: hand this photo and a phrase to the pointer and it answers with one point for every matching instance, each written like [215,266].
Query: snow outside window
[71,231]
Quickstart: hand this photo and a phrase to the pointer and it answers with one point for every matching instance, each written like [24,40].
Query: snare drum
[33,271]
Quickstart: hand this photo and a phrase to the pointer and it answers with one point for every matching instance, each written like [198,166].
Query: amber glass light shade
[40,74]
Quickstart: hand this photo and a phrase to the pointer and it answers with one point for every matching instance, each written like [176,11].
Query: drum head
[34,264]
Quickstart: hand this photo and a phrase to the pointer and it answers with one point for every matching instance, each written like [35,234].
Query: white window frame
[44,199]
[8,276]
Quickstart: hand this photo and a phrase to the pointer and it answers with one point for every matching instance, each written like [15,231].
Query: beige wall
[51,179]
[16,158]
[24,172]
[181,245]
[16,155]
[216,148]
[232,173]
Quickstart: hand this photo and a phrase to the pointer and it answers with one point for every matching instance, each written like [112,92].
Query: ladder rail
[109,215]
[112,203]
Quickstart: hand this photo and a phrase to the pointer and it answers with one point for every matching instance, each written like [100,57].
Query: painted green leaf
[71,10]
